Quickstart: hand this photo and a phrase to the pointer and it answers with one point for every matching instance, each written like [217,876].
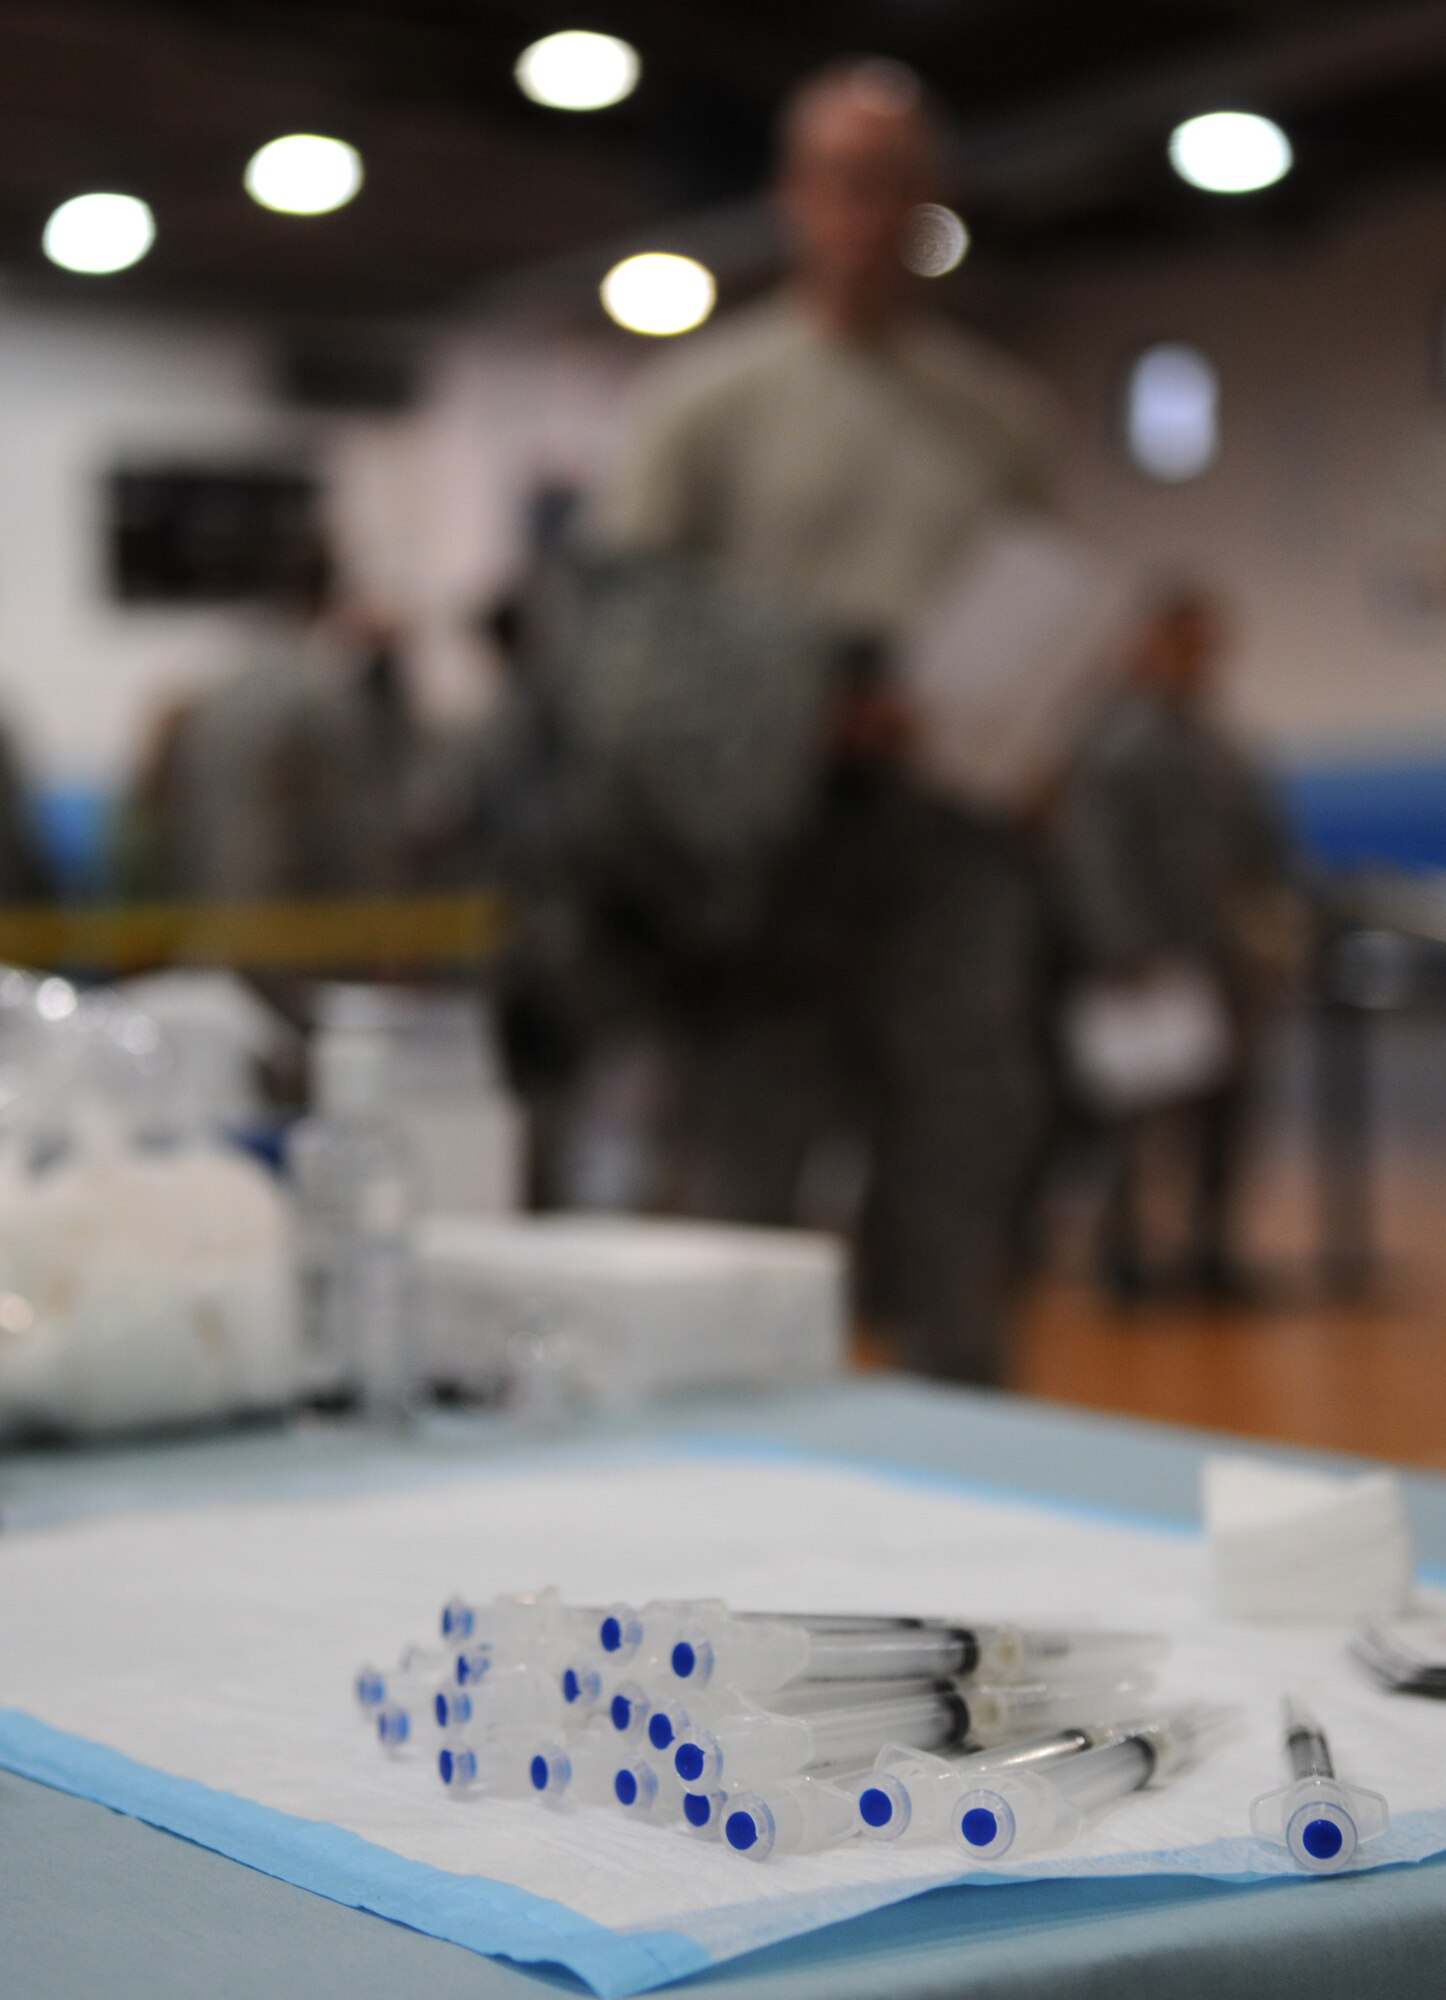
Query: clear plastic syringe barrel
[1306,1748]
[800,1815]
[761,1655]
[909,1794]
[418,1667]
[576,1770]
[746,1749]
[535,1629]
[648,1788]
[1024,1652]
[1020,1811]
[1011,1709]
[629,1634]
[496,1764]
[488,1694]
[670,1719]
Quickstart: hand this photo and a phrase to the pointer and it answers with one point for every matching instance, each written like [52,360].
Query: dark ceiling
[1061,110]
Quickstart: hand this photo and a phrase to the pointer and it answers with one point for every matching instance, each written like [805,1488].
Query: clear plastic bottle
[353,1189]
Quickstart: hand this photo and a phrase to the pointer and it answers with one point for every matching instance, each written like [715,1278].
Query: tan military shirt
[845,477]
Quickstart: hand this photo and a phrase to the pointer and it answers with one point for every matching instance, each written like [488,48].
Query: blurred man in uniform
[25,875]
[839,449]
[295,777]
[1171,859]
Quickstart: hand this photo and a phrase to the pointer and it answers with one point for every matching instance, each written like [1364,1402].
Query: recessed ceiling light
[304,174]
[98,233]
[1230,152]
[935,240]
[578,71]
[658,293]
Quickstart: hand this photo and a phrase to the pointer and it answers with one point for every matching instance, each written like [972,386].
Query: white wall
[423,505]
[1324,344]
[1333,467]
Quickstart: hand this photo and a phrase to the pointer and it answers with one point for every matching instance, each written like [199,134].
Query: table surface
[95,1904]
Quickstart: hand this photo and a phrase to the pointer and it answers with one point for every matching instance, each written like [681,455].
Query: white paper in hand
[1161,1041]
[1005,663]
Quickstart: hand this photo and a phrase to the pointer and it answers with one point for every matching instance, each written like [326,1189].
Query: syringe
[397,1722]
[1320,1821]
[581,1686]
[499,1694]
[1021,1811]
[639,1636]
[495,1763]
[669,1719]
[418,1667]
[628,1709]
[506,1617]
[574,1770]
[789,1816]
[535,1628]
[742,1749]
[761,1655]
[909,1794]
[648,1788]
[643,1637]
[704,1811]
[745,1749]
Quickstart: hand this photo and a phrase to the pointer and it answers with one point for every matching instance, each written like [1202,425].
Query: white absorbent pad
[194,1669]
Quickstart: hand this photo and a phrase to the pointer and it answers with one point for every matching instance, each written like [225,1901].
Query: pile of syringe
[786,1733]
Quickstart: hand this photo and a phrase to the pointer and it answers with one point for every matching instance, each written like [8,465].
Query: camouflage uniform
[1165,831]
[291,779]
[877,967]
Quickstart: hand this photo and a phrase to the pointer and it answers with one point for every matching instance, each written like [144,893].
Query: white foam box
[645,1307]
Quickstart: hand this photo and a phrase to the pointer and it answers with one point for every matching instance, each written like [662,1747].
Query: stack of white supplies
[1293,1547]
[463,1130]
[627,1309]
[782,1733]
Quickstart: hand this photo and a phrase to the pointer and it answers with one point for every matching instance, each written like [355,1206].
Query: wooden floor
[1368,1376]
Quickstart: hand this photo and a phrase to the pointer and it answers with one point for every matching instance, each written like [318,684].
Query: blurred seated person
[296,776]
[142,862]
[25,875]
[1173,875]
[833,455]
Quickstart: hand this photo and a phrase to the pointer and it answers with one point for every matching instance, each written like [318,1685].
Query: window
[1172,412]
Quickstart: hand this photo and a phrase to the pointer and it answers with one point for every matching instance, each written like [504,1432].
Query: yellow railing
[323,934]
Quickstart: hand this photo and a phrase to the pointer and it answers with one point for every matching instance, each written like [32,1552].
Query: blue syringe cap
[394,1726]
[691,1658]
[885,1807]
[1321,1821]
[459,1620]
[620,1631]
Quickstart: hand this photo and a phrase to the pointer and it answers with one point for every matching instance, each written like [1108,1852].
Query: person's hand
[872,726]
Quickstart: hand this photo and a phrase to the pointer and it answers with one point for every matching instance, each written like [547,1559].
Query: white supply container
[629,1308]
